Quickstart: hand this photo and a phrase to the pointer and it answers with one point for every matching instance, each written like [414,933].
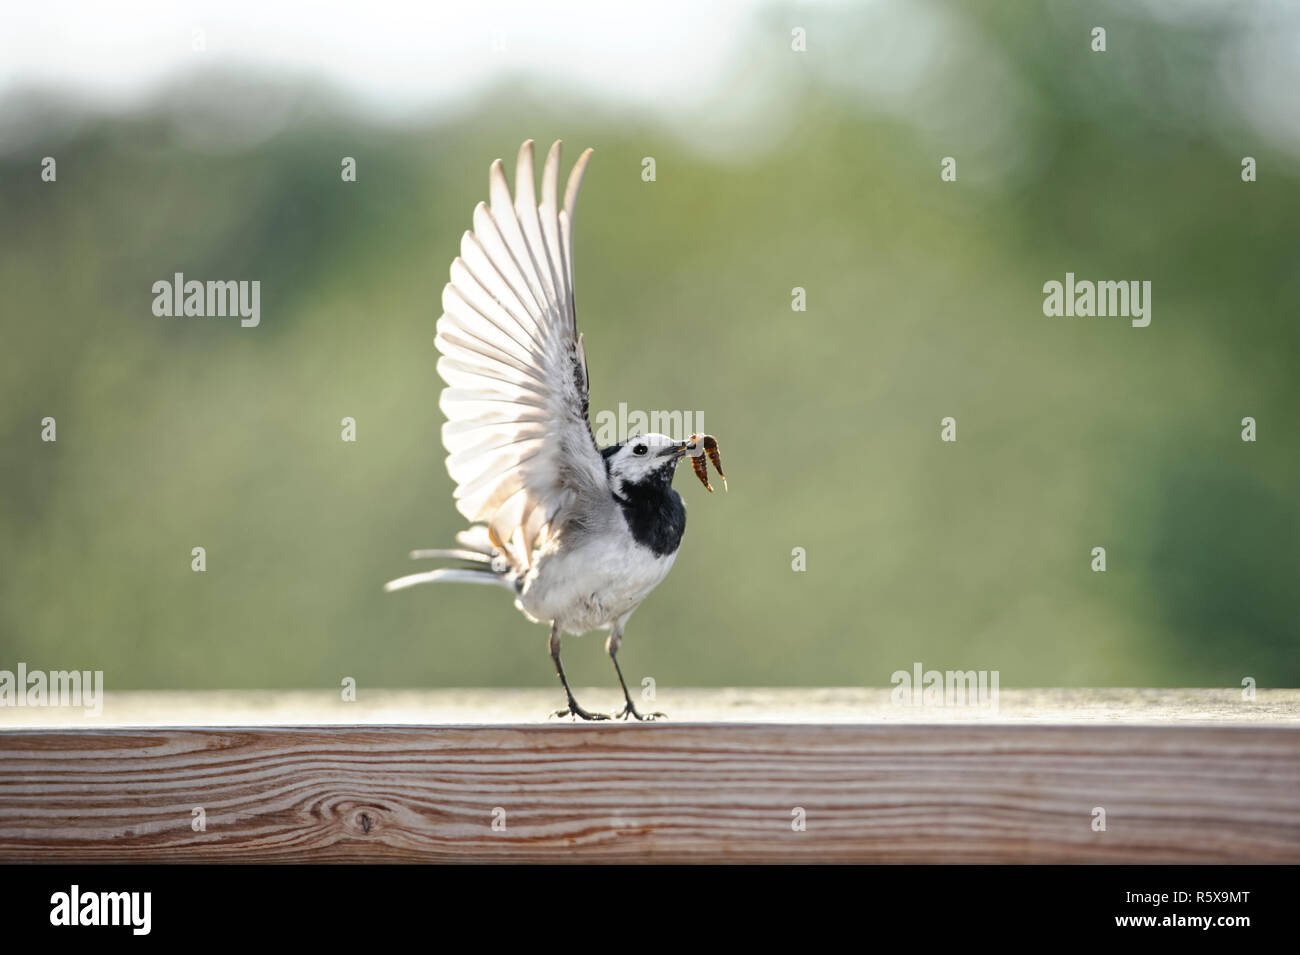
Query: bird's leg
[629,709]
[573,708]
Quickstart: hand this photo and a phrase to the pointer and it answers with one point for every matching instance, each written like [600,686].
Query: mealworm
[701,471]
[698,460]
[711,446]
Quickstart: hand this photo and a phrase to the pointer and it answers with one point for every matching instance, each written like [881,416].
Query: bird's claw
[574,710]
[632,711]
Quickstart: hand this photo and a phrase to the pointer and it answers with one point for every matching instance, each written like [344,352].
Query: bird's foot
[632,711]
[574,710]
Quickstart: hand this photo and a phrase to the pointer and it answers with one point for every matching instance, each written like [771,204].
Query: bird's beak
[676,450]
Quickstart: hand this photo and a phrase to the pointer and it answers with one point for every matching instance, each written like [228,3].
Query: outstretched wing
[519,444]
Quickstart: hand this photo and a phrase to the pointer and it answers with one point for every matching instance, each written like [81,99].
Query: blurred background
[207,139]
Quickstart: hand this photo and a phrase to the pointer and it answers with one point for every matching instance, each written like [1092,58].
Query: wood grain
[1174,790]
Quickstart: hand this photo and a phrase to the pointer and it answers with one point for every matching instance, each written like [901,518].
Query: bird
[579,534]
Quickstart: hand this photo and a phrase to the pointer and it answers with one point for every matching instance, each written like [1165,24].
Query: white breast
[592,583]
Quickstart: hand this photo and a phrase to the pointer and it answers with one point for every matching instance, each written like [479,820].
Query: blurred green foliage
[924,300]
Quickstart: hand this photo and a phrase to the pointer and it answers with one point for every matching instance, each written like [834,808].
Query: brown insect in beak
[710,447]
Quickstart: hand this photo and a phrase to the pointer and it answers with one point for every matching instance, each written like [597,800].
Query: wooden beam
[1183,776]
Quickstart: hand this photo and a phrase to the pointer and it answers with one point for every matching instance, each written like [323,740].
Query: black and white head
[643,462]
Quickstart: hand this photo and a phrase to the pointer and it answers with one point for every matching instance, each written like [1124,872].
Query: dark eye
[640,449]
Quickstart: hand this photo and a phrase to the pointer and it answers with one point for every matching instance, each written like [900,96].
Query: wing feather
[453,339]
[548,212]
[519,444]
[530,226]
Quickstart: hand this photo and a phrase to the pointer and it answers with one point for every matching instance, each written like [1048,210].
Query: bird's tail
[490,567]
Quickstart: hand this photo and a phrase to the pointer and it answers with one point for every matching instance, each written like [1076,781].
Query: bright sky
[396,56]
[685,58]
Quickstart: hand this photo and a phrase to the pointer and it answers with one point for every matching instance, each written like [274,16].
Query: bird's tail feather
[452,553]
[476,548]
[447,575]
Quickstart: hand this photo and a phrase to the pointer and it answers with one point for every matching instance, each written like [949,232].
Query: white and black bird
[579,534]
